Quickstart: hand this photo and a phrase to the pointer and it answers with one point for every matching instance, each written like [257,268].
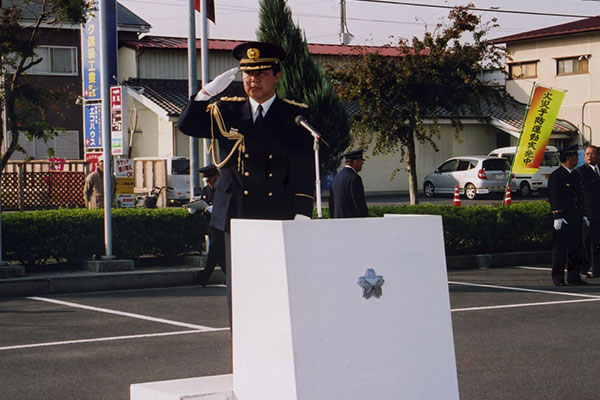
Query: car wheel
[525,189]
[429,189]
[470,191]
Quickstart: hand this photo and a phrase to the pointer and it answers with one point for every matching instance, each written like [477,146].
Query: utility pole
[345,36]
[192,89]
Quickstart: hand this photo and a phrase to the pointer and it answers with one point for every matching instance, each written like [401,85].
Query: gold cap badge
[253,53]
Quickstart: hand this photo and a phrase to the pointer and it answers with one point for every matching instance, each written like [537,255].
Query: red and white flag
[210,9]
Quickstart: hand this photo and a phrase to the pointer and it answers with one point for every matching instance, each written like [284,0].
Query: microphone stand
[317,177]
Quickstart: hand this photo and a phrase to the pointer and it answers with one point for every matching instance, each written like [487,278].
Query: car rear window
[498,164]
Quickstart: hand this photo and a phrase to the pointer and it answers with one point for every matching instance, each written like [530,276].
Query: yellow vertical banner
[539,122]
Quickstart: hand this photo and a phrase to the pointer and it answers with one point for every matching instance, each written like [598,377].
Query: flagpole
[204,58]
[192,89]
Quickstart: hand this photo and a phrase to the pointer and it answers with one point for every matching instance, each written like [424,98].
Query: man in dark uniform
[216,251]
[347,194]
[266,160]
[590,181]
[568,211]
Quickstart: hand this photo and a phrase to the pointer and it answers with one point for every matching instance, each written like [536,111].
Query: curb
[162,277]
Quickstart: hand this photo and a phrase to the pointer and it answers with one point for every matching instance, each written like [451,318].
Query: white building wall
[580,87]
[475,139]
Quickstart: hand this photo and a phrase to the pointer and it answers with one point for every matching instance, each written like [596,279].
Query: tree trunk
[411,166]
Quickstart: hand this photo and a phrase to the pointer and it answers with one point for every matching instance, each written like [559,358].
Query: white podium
[303,329]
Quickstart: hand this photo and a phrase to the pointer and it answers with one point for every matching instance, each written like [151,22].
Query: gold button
[271,175]
[270,156]
[246,192]
[246,173]
[246,155]
[270,194]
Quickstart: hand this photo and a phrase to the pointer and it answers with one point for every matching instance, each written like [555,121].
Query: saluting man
[568,211]
[265,161]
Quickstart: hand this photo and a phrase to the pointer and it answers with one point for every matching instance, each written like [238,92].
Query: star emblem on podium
[371,284]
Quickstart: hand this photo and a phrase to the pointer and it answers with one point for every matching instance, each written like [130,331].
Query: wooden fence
[40,184]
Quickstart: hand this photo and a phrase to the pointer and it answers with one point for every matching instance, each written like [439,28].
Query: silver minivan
[529,183]
[474,175]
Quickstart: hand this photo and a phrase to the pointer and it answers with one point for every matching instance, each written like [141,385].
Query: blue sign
[91,51]
[92,125]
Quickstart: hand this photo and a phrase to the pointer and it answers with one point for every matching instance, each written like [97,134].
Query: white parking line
[518,289]
[536,268]
[543,303]
[131,315]
[104,339]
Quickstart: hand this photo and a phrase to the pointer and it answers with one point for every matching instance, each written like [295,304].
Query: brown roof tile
[580,26]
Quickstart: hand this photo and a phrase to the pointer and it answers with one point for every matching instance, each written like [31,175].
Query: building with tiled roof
[565,56]
[154,70]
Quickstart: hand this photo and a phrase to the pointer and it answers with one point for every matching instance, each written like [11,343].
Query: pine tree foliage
[303,80]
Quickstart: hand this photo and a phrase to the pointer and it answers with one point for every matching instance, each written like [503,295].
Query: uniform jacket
[566,195]
[93,190]
[347,197]
[208,194]
[590,182]
[274,176]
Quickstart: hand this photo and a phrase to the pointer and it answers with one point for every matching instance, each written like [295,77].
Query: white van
[150,171]
[527,184]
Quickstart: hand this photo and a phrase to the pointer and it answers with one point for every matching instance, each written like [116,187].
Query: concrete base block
[11,271]
[108,265]
[195,261]
[217,387]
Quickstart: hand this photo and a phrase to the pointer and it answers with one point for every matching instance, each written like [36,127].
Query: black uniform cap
[258,55]
[208,171]
[354,155]
[569,150]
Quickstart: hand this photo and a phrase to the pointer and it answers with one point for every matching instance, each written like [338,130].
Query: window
[498,164]
[521,70]
[448,166]
[55,61]
[465,165]
[572,65]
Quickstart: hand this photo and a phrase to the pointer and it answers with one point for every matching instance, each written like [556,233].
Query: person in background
[590,182]
[347,194]
[216,251]
[93,189]
[568,211]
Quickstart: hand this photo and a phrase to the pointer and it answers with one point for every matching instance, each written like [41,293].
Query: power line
[493,10]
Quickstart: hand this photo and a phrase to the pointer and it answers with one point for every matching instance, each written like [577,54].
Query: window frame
[576,59]
[520,64]
[49,72]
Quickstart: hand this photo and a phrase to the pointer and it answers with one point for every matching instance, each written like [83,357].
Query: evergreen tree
[304,81]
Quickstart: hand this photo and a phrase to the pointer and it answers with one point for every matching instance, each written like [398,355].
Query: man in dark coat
[590,181]
[568,211]
[347,194]
[266,160]
[216,251]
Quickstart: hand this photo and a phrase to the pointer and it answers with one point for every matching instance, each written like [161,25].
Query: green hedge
[524,226]
[73,235]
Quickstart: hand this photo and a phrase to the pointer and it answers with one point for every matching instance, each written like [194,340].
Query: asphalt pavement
[516,336]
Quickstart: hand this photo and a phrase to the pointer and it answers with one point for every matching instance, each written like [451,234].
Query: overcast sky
[370,22]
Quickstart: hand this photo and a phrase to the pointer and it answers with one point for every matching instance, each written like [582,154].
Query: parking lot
[516,337]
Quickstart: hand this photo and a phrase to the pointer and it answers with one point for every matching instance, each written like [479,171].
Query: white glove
[217,85]
[209,209]
[301,217]
[586,221]
[559,222]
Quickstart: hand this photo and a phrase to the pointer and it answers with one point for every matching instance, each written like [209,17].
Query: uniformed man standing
[266,160]
[347,194]
[216,251]
[590,181]
[568,211]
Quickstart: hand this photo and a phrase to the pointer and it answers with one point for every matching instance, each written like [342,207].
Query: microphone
[301,121]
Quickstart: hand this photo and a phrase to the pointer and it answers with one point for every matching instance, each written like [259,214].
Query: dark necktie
[259,117]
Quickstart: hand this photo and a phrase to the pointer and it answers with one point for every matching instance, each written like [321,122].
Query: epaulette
[295,103]
[236,98]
